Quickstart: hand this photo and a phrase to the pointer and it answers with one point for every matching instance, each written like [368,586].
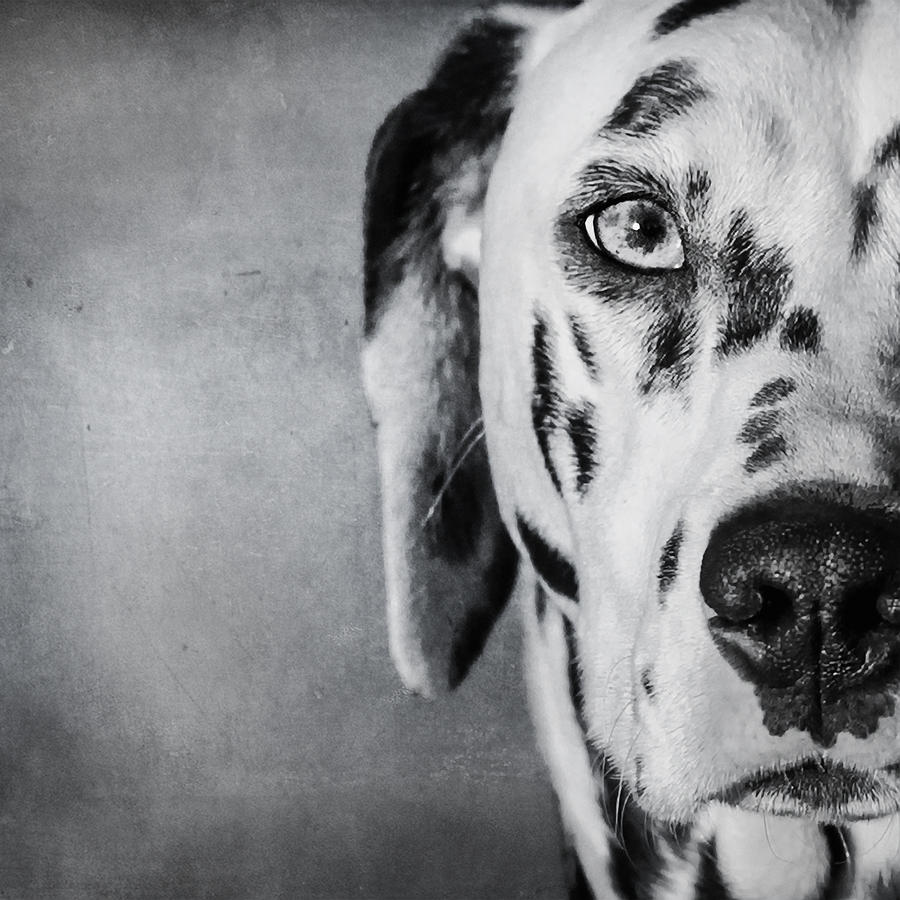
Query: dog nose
[806,596]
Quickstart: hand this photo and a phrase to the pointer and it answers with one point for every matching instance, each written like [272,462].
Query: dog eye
[637,233]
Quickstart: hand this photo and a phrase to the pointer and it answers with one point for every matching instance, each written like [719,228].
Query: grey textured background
[195,694]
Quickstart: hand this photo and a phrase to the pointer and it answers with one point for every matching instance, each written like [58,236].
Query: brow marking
[688,11]
[656,97]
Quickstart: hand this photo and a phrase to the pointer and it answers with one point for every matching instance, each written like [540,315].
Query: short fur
[693,468]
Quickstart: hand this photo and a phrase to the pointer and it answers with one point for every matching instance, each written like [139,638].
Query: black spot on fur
[540,603]
[638,776]
[472,632]
[635,862]
[759,427]
[758,280]
[766,454]
[688,11]
[773,392]
[583,435]
[576,691]
[545,404]
[558,573]
[840,863]
[668,562]
[696,192]
[865,215]
[657,97]
[801,332]
[847,9]
[550,413]
[647,682]
[887,153]
[582,341]
[670,346]
[461,112]
[710,885]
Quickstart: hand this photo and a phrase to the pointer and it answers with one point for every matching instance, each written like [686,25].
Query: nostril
[858,613]
[777,602]
[743,601]
[888,604]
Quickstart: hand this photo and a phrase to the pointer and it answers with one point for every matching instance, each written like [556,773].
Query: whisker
[892,820]
[769,840]
[468,443]
[478,423]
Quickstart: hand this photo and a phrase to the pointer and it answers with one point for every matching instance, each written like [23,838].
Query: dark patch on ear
[546,408]
[461,565]
[758,281]
[887,153]
[449,568]
[657,97]
[668,562]
[773,392]
[840,863]
[473,629]
[766,454]
[455,523]
[801,332]
[759,427]
[389,203]
[865,215]
[582,341]
[647,683]
[670,345]
[583,434]
[688,11]
[710,885]
[558,573]
[846,9]
[460,113]
[540,602]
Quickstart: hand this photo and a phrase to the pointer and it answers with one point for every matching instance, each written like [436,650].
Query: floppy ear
[450,565]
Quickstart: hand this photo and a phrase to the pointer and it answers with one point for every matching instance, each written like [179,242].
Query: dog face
[682,311]
[689,305]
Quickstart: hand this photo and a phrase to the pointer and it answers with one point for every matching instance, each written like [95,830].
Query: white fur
[798,101]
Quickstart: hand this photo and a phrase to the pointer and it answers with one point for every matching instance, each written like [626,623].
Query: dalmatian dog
[632,317]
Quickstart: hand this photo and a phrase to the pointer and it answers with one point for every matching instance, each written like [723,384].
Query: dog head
[651,251]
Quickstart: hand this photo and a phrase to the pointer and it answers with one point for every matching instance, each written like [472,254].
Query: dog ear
[450,565]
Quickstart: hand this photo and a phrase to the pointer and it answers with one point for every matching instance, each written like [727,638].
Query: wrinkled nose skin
[806,596]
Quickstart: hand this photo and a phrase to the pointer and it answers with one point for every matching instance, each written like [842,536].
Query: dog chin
[825,791]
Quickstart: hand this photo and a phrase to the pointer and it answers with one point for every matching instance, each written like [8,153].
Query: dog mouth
[818,788]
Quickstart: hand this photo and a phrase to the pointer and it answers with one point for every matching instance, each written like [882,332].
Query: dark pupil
[651,230]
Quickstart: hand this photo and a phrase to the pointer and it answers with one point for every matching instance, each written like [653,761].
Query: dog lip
[817,788]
